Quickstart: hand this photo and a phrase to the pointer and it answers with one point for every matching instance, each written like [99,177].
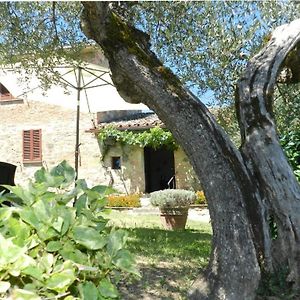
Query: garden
[169,261]
[60,241]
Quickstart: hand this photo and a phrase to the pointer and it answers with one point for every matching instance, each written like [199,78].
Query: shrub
[200,198]
[124,200]
[172,198]
[52,250]
[291,146]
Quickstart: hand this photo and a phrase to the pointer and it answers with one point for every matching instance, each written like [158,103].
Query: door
[7,175]
[159,169]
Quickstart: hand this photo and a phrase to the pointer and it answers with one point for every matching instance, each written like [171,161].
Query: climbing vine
[155,137]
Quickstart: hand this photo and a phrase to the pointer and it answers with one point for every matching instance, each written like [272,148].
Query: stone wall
[131,177]
[58,126]
[58,139]
[184,173]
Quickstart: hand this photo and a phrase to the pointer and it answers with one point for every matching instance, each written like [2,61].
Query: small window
[116,162]
[32,146]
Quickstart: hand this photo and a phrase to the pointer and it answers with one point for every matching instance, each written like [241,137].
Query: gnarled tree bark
[263,155]
[236,193]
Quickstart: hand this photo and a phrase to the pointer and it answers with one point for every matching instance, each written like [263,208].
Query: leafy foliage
[275,285]
[287,108]
[50,249]
[172,198]
[208,43]
[39,36]
[207,46]
[291,145]
[156,137]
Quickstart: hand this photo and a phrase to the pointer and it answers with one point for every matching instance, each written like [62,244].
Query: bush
[291,146]
[172,198]
[200,198]
[124,200]
[52,250]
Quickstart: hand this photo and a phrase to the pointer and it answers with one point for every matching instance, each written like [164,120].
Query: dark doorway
[159,169]
[7,175]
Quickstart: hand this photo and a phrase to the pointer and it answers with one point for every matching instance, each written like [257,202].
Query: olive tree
[248,190]
[253,196]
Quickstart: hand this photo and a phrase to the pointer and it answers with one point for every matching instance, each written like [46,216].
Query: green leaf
[37,188]
[20,192]
[43,211]
[116,241]
[65,171]
[27,215]
[51,180]
[46,233]
[4,286]
[107,289]
[125,261]
[103,189]
[20,294]
[93,195]
[70,298]
[60,282]
[88,291]
[40,175]
[58,224]
[53,246]
[81,184]
[89,237]
[9,252]
[74,255]
[19,230]
[68,214]
[33,271]
[24,261]
[65,198]
[81,203]
[46,262]
[5,214]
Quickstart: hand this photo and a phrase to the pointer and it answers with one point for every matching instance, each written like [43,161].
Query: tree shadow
[169,262]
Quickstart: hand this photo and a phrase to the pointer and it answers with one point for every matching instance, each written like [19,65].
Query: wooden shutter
[32,145]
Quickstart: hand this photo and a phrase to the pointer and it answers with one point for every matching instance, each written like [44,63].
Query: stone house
[143,169]
[38,128]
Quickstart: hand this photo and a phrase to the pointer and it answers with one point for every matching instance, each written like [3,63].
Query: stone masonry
[58,126]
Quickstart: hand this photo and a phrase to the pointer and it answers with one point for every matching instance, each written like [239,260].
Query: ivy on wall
[155,137]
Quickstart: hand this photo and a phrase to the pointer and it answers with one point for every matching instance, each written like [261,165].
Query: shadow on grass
[169,262]
[159,283]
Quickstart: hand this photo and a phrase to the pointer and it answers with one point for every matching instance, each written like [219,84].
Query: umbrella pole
[77,144]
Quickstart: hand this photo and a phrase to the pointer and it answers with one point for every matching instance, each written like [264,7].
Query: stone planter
[174,218]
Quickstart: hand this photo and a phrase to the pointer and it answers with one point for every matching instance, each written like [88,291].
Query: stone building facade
[52,114]
[58,132]
[143,169]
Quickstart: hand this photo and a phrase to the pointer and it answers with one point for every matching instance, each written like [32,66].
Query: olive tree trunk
[236,199]
[263,155]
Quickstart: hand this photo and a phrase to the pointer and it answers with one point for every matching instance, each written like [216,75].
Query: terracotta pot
[174,218]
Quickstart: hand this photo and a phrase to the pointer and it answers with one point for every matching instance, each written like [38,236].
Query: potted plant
[174,206]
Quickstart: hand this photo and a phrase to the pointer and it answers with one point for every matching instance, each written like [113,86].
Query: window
[4,93]
[32,146]
[116,162]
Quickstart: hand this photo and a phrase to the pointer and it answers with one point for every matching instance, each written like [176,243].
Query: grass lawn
[169,261]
